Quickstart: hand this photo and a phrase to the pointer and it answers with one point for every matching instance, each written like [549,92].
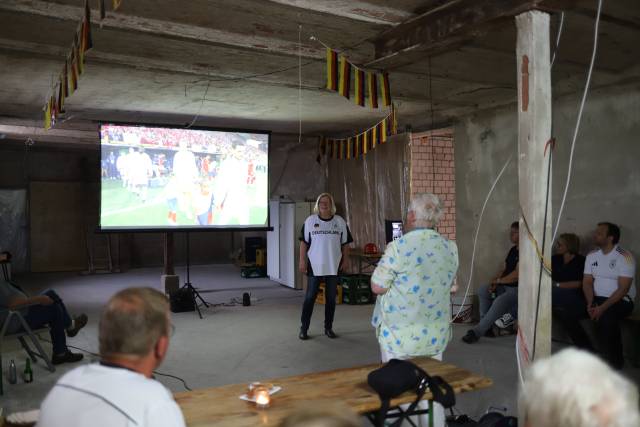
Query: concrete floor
[234,344]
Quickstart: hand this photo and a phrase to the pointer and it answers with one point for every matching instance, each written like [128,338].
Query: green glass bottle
[28,373]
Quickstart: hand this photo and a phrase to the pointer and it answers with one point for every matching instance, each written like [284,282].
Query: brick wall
[433,171]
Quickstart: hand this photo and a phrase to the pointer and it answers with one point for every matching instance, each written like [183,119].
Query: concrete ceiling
[154,60]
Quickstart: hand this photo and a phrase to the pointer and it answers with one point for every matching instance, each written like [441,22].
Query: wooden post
[534,132]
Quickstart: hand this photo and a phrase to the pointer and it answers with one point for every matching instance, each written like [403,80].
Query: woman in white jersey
[323,250]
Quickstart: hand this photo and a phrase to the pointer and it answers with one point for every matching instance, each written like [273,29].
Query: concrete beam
[356,10]
[534,131]
[447,25]
[137,24]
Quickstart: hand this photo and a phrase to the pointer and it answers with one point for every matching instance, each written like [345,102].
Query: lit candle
[262,397]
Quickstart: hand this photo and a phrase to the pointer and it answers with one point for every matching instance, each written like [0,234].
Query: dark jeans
[331,286]
[607,327]
[56,316]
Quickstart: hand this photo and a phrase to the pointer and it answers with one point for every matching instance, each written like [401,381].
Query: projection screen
[175,178]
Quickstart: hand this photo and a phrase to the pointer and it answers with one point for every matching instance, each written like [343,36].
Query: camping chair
[24,332]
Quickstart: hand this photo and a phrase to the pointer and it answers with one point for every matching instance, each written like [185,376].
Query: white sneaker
[505,321]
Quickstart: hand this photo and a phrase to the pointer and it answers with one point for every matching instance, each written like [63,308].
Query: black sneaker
[78,323]
[470,337]
[330,333]
[303,335]
[66,357]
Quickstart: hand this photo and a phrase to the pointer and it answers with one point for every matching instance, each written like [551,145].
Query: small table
[366,262]
[220,406]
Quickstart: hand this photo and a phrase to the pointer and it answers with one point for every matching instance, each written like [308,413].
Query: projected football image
[155,177]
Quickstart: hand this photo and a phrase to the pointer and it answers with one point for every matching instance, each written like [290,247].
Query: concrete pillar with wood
[534,157]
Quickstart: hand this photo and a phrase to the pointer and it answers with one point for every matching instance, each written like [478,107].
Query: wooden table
[220,406]
[365,261]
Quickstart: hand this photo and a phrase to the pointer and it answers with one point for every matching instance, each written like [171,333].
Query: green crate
[358,297]
[355,282]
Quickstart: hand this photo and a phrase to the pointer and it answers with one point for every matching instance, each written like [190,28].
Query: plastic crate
[356,289]
[321,298]
[360,297]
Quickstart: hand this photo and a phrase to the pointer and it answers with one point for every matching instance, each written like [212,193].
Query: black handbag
[399,376]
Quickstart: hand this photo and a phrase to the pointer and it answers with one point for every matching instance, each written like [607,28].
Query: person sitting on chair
[38,311]
[134,339]
[501,295]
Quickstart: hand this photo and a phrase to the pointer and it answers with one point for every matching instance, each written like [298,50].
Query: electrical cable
[300,84]
[555,50]
[184,383]
[575,132]
[475,237]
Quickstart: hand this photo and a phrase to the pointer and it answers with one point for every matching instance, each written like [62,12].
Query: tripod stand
[194,293]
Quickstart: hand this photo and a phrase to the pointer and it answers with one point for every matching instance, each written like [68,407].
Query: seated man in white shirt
[609,292]
[119,391]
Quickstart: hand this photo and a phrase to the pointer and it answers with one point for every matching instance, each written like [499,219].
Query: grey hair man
[573,388]
[413,281]
[119,391]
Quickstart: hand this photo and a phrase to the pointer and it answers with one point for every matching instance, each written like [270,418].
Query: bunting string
[339,72]
[74,66]
[356,146]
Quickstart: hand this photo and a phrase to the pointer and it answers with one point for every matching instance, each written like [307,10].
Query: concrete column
[534,131]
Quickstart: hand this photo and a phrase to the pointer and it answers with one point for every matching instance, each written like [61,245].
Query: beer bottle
[28,373]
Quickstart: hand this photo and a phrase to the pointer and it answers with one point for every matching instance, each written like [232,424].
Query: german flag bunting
[374,136]
[359,89]
[365,142]
[103,11]
[73,66]
[65,78]
[73,73]
[79,56]
[332,69]
[372,86]
[345,77]
[53,109]
[87,40]
[383,130]
[61,99]
[386,90]
[357,147]
[349,148]
[340,149]
[47,115]
[394,120]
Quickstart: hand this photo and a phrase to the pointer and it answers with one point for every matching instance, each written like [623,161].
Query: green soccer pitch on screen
[172,178]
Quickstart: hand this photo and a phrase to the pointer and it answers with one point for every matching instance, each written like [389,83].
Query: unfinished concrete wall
[293,173]
[605,184]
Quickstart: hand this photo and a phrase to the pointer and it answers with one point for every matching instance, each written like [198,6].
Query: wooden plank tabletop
[220,406]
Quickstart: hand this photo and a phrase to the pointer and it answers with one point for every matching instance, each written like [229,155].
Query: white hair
[426,207]
[573,388]
[333,204]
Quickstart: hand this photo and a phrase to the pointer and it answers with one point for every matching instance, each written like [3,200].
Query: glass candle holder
[263,399]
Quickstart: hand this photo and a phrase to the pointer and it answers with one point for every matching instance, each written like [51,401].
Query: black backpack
[399,376]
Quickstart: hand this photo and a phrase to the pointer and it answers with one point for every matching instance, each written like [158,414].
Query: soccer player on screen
[185,174]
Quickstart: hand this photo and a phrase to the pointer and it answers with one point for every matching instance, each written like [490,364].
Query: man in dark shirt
[501,295]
